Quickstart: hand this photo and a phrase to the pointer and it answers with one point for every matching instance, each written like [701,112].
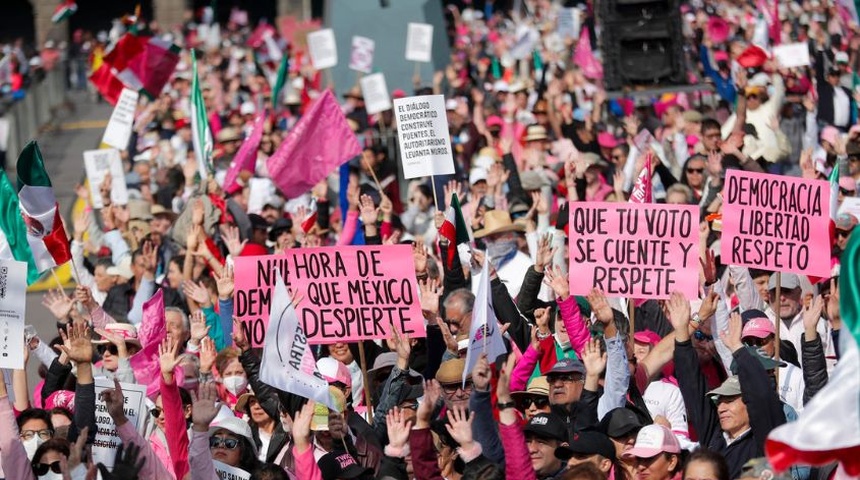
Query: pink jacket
[175,431]
[157,442]
[15,462]
[577,329]
[517,459]
[152,467]
[524,369]
[349,228]
[306,465]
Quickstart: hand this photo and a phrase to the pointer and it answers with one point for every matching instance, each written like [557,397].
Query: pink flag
[320,142]
[246,157]
[584,57]
[152,331]
[642,189]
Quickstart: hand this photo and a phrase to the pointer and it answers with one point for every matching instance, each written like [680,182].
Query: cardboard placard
[375,92]
[361,56]
[252,299]
[98,163]
[322,48]
[777,223]
[226,472]
[419,42]
[792,55]
[121,121]
[425,146]
[13,289]
[107,440]
[634,250]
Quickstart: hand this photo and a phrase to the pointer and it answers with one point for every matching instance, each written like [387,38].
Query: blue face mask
[500,250]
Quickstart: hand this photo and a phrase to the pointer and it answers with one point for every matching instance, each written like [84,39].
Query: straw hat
[535,133]
[498,221]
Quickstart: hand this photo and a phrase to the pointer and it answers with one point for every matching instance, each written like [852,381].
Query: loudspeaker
[642,43]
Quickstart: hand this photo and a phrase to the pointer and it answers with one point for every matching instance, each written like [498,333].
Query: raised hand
[709,267]
[709,306]
[392,239]
[450,341]
[401,345]
[545,253]
[731,336]
[59,304]
[302,426]
[481,374]
[503,387]
[230,235]
[192,240]
[207,354]
[430,291]
[398,426]
[806,166]
[127,465]
[197,211]
[679,314]
[558,281]
[459,426]
[199,329]
[239,338]
[205,406]
[541,327]
[600,306]
[419,256]
[198,293]
[451,188]
[226,283]
[76,344]
[150,258]
[81,225]
[432,393]
[812,314]
[168,357]
[84,296]
[593,359]
[833,313]
[368,213]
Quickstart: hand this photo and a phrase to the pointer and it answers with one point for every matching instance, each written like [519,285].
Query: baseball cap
[334,371]
[568,365]
[730,388]
[789,281]
[648,337]
[607,140]
[546,425]
[847,183]
[653,440]
[758,328]
[587,442]
[235,426]
[766,362]
[620,422]
[477,174]
[341,465]
[122,269]
[845,221]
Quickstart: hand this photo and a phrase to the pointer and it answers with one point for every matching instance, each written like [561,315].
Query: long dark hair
[248,460]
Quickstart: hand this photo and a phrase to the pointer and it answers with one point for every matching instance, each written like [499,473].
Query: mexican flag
[201,135]
[455,229]
[46,235]
[834,191]
[13,230]
[64,10]
[642,189]
[137,62]
[828,429]
[280,81]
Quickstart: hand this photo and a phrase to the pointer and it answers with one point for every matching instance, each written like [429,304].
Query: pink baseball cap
[758,328]
[652,440]
[495,121]
[607,140]
[647,336]
[847,183]
[334,371]
[830,134]
[61,398]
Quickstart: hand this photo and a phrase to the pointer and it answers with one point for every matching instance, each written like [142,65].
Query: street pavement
[62,149]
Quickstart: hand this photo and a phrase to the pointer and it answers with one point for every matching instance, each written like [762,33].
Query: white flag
[484,323]
[288,363]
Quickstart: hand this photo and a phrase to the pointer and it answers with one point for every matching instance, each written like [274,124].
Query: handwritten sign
[419,42]
[375,92]
[422,125]
[634,250]
[792,55]
[107,439]
[98,164]
[322,48]
[226,472]
[361,56]
[776,223]
[121,121]
[255,279]
[13,288]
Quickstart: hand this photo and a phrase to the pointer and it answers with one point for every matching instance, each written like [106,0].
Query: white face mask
[235,384]
[51,476]
[32,445]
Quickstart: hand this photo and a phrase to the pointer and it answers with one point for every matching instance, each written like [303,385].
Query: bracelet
[543,336]
[505,405]
[696,320]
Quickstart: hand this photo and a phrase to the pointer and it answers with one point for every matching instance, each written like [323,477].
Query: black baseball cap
[621,422]
[341,465]
[546,425]
[587,442]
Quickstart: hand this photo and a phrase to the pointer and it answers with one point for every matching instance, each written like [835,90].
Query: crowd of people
[688,389]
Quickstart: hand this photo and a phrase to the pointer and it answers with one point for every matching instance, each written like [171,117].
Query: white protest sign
[361,57]
[792,55]
[419,42]
[98,163]
[850,205]
[375,92]
[569,20]
[107,439]
[526,40]
[261,190]
[121,121]
[422,127]
[322,48]
[13,289]
[226,472]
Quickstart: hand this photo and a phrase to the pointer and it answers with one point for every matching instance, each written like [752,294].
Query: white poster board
[98,163]
[226,472]
[792,55]
[419,42]
[322,48]
[568,23]
[375,92]
[422,127]
[260,191]
[361,57]
[121,121]
[13,290]
[107,440]
[850,205]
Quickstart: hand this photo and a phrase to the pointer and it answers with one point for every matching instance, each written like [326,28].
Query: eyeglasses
[696,170]
[223,442]
[110,348]
[156,412]
[757,342]
[752,96]
[843,233]
[539,402]
[40,469]
[566,378]
[702,336]
[409,405]
[43,434]
[850,193]
[451,388]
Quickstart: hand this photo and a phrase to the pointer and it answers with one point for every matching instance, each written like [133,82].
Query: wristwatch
[505,405]
[696,321]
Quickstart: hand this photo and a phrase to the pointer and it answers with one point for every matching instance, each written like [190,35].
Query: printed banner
[375,91]
[634,250]
[419,42]
[422,125]
[776,223]
[121,121]
[13,289]
[361,57]
[98,163]
[226,472]
[323,49]
[107,440]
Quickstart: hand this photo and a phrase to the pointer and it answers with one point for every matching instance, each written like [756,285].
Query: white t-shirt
[664,399]
[265,439]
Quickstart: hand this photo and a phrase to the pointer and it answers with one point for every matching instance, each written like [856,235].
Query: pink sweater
[152,466]
[517,459]
[306,465]
[174,425]
[12,453]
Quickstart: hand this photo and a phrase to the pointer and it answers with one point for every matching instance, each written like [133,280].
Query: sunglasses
[539,402]
[111,348]
[451,388]
[156,412]
[843,233]
[702,337]
[752,96]
[223,442]
[565,378]
[849,193]
[40,469]
[696,170]
[757,342]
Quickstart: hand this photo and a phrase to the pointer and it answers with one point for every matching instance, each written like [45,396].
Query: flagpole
[367,400]
[631,309]
[372,174]
[778,326]
[435,196]
[57,279]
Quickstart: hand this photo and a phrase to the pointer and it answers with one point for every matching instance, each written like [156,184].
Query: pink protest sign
[252,298]
[776,223]
[634,250]
[356,293]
